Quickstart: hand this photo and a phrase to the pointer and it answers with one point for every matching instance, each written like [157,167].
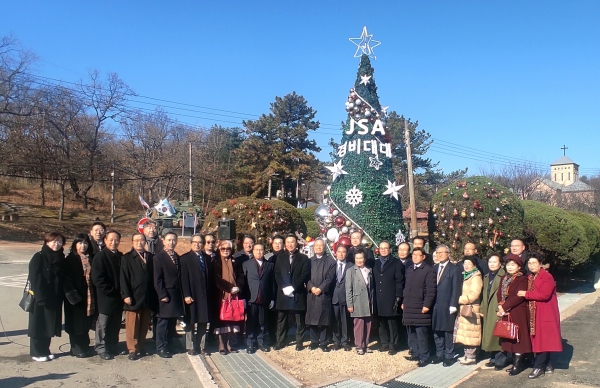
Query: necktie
[202,263]
[291,258]
[440,273]
[339,272]
[174,259]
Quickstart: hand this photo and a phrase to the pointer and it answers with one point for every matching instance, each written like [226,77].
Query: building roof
[572,188]
[420,215]
[563,160]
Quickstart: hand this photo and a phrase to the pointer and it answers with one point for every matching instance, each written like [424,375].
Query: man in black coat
[260,280]
[277,247]
[167,283]
[153,242]
[246,253]
[292,272]
[209,252]
[419,297]
[341,316]
[139,296]
[106,276]
[449,288]
[318,301]
[97,232]
[356,241]
[404,254]
[471,250]
[194,283]
[388,274]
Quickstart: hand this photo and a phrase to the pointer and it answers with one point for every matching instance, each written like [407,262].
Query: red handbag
[232,309]
[506,329]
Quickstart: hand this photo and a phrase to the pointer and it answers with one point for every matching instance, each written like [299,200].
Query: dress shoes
[192,352]
[83,355]
[347,348]
[437,360]
[549,369]
[250,350]
[423,363]
[164,354]
[313,346]
[123,352]
[105,356]
[264,348]
[535,373]
[336,347]
[448,362]
[490,364]
[412,358]
[223,352]
[133,356]
[278,347]
[299,347]
[324,348]
[392,351]
[383,348]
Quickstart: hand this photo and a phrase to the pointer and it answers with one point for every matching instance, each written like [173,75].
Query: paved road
[576,366]
[18,370]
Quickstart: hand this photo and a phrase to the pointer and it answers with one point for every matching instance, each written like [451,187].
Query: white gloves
[453,310]
[235,290]
[288,291]
[271,304]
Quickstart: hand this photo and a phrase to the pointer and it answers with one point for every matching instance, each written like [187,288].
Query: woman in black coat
[46,274]
[228,280]
[78,278]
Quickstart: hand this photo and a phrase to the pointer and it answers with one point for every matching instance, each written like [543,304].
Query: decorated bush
[476,210]
[257,217]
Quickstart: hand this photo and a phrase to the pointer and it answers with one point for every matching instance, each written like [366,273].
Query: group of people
[340,299]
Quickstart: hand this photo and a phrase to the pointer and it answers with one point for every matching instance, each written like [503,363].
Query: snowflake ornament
[354,196]
[364,79]
[400,238]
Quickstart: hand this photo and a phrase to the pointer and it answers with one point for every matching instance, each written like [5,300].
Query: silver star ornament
[365,44]
[336,170]
[392,189]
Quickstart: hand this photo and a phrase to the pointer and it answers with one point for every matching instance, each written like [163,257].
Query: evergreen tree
[364,194]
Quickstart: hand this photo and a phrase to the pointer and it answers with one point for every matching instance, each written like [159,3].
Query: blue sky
[492,81]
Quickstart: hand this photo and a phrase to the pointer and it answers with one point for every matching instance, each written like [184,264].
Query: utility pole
[191,195]
[411,184]
[269,192]
[112,195]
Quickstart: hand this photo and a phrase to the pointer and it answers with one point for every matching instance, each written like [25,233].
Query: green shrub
[591,224]
[556,233]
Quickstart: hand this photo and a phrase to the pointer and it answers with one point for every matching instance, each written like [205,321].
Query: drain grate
[402,384]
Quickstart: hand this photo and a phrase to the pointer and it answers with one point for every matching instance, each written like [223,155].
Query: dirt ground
[314,367]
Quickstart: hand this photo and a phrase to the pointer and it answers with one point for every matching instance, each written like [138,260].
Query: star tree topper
[365,44]
[336,170]
[392,189]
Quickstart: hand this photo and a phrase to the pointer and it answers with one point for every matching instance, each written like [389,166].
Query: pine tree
[363,194]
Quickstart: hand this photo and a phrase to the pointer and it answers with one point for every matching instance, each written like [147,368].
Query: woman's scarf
[506,281]
[227,274]
[87,273]
[531,303]
[468,274]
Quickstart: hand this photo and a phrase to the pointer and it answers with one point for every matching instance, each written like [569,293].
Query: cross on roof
[564,148]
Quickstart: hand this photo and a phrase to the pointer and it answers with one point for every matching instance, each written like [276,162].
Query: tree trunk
[61,211]
[42,190]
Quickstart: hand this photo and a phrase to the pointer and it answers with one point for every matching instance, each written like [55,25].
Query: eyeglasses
[224,249]
[210,242]
[196,242]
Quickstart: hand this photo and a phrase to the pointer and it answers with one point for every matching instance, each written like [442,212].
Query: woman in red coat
[515,306]
[544,322]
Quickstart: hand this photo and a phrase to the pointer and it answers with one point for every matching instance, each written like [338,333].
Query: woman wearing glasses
[228,277]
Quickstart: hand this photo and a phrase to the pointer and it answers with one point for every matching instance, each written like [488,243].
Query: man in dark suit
[260,279]
[419,242]
[194,283]
[449,288]
[97,233]
[388,274]
[356,241]
[246,253]
[341,316]
[209,252]
[292,272]
[404,254]
[419,297]
[139,296]
[153,242]
[277,247]
[106,276]
[167,282]
[318,304]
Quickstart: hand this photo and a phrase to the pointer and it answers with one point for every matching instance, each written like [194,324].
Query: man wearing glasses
[194,283]
[449,288]
[208,252]
[388,273]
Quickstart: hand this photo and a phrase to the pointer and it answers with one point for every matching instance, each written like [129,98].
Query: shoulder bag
[232,309]
[27,300]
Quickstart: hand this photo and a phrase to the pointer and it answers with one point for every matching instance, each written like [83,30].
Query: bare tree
[523,179]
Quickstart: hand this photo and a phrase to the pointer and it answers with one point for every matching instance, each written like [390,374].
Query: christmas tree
[363,194]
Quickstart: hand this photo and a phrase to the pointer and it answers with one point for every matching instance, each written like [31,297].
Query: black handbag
[73,297]
[27,300]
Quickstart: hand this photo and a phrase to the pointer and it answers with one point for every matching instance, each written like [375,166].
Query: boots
[517,365]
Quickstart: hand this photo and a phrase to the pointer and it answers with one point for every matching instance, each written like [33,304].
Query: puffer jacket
[468,330]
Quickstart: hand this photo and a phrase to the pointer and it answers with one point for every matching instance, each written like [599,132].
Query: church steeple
[563,170]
